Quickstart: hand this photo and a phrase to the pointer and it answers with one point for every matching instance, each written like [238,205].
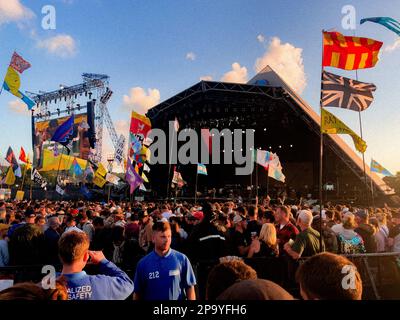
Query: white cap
[237,218]
[128,215]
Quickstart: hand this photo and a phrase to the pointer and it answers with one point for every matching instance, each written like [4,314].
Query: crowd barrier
[380,273]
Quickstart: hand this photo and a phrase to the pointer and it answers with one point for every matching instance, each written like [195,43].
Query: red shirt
[289,231]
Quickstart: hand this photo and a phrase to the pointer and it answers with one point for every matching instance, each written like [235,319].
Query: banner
[101,171]
[38,179]
[10,177]
[378,168]
[119,152]
[132,177]
[201,169]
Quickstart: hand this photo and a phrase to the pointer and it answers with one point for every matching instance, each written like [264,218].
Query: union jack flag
[346,93]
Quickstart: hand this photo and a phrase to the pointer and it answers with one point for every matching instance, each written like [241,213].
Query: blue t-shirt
[164,278]
[111,284]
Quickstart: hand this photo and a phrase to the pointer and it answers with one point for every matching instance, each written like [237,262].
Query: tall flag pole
[321,143]
[175,131]
[351,53]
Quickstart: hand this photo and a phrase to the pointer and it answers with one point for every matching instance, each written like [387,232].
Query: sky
[154,49]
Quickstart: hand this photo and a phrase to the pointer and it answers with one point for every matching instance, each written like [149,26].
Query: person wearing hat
[239,242]
[4,256]
[307,242]
[366,231]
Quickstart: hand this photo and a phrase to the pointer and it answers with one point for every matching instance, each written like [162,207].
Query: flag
[140,126]
[75,168]
[12,84]
[101,171]
[263,158]
[37,178]
[86,193]
[10,177]
[99,181]
[333,125]
[132,177]
[144,178]
[376,167]
[52,163]
[56,152]
[146,167]
[142,187]
[10,157]
[112,178]
[19,63]
[275,169]
[60,190]
[201,169]
[177,179]
[18,172]
[346,93]
[64,132]
[349,53]
[88,173]
[22,155]
[387,22]
[176,125]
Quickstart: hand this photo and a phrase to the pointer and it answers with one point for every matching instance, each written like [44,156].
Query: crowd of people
[149,250]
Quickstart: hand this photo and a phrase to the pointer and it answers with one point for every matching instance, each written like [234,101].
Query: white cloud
[260,38]
[14,11]
[238,74]
[18,107]
[191,56]
[62,45]
[392,47]
[206,78]
[287,61]
[140,101]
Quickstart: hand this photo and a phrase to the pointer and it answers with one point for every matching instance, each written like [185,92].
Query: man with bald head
[307,242]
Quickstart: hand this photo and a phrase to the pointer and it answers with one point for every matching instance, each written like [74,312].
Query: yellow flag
[101,170]
[98,180]
[20,195]
[330,124]
[52,163]
[13,81]
[144,178]
[10,178]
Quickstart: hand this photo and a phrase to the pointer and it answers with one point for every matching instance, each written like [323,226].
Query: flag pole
[195,190]
[256,183]
[23,178]
[169,162]
[363,155]
[58,169]
[321,150]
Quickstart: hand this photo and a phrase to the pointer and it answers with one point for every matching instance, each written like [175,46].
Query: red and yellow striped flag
[349,53]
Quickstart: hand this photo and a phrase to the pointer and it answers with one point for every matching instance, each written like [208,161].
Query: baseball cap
[237,218]
[198,215]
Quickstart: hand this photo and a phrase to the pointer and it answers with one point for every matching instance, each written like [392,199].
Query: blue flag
[387,22]
[376,167]
[201,169]
[64,131]
[86,193]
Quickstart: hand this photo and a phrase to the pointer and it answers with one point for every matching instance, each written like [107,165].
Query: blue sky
[144,44]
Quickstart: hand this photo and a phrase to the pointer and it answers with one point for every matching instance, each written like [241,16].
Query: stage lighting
[90,95]
[79,106]
[270,148]
[265,129]
[76,96]
[58,111]
[291,146]
[65,98]
[280,147]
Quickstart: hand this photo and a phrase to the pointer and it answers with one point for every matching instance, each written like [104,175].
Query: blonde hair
[268,234]
[349,222]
